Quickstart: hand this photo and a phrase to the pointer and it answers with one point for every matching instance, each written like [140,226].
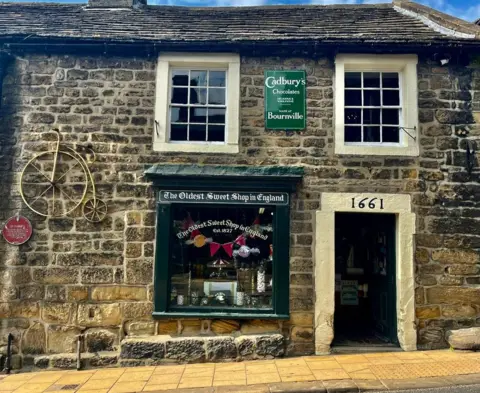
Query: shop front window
[222,241]
[222,254]
[222,257]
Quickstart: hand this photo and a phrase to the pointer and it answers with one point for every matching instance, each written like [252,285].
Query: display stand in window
[221,257]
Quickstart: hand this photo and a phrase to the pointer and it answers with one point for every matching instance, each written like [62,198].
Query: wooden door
[383,287]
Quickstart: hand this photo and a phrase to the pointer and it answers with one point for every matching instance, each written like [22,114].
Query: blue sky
[465,9]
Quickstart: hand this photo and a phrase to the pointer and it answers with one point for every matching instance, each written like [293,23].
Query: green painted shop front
[222,242]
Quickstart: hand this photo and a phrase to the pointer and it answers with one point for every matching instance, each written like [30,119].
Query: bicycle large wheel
[54,188]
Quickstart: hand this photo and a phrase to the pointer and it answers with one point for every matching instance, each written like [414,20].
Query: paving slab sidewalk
[332,373]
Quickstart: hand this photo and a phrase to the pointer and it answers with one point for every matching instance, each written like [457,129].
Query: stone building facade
[74,277]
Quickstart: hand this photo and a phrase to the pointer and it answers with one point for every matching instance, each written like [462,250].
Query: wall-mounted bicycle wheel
[54,184]
[94,210]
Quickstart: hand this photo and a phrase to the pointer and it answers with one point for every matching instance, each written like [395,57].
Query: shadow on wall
[13,277]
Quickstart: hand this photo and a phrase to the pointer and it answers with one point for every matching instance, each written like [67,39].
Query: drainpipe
[79,352]
[4,60]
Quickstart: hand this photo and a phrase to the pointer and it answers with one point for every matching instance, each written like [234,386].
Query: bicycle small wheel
[94,210]
[54,188]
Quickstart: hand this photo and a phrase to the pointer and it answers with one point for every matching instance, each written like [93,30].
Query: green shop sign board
[285,106]
[249,198]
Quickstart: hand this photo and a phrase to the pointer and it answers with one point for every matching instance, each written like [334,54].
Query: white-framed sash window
[197,103]
[376,105]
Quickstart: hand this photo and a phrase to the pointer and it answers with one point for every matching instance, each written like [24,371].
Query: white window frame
[406,66]
[161,134]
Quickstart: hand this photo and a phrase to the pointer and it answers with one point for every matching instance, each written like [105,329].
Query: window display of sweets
[221,257]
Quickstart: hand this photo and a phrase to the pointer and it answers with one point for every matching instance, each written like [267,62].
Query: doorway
[365,290]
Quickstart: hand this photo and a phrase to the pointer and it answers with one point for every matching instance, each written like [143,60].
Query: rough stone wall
[75,277]
[447,204]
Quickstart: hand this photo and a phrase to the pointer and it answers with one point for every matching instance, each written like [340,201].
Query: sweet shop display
[222,257]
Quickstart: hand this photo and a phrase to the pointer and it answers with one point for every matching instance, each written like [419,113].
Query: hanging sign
[17,230]
[349,293]
[285,105]
[249,198]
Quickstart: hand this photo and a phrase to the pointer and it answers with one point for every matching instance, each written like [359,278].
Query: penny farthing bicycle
[55,183]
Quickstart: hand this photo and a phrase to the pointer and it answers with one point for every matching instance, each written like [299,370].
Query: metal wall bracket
[406,132]
[470,157]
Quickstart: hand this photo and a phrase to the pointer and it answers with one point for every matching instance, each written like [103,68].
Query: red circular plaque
[17,230]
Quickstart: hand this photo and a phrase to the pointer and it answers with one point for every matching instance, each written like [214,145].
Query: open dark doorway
[365,296]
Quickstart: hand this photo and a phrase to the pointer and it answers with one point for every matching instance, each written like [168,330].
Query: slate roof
[377,23]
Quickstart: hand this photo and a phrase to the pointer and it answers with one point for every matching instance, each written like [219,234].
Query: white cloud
[470,13]
[248,2]
[328,2]
[375,1]
[239,3]
[437,4]
[176,2]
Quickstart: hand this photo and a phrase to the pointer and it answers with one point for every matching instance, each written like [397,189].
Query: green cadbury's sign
[285,105]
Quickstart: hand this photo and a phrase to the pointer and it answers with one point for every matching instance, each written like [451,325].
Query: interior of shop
[222,257]
[365,314]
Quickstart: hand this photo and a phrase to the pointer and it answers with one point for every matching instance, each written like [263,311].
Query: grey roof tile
[378,23]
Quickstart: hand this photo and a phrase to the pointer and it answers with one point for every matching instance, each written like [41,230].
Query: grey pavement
[449,389]
[343,387]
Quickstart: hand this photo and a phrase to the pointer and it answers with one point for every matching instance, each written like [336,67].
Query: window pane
[216,133]
[371,134]
[390,79]
[391,134]
[371,79]
[179,95]
[371,116]
[198,132]
[178,132]
[353,97]
[371,98]
[217,78]
[390,116]
[353,134]
[220,265]
[353,116]
[391,97]
[353,79]
[198,96]
[180,77]
[216,96]
[198,115]
[198,78]
[179,114]
[216,115]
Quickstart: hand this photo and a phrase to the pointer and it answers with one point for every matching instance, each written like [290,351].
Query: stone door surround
[398,204]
